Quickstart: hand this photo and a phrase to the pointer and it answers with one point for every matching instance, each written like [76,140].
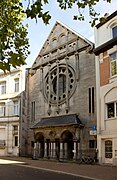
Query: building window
[114,31]
[61,84]
[91,100]
[33,111]
[15,107]
[2,109]
[15,128]
[16,141]
[92,144]
[112,110]
[113,64]
[3,87]
[17,85]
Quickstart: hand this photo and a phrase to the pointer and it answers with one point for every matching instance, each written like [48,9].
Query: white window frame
[113,60]
[115,110]
[3,87]
[112,31]
[2,109]
[16,107]
[16,84]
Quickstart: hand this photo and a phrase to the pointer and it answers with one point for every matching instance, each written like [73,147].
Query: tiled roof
[58,121]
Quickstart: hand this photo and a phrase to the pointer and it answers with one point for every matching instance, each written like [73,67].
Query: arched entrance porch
[39,145]
[66,145]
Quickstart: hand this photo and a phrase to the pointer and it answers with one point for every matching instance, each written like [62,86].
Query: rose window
[59,84]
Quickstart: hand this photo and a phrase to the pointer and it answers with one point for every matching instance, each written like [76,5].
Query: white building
[12,113]
[106,77]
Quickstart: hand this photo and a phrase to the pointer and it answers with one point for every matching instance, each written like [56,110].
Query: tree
[35,9]
[13,35]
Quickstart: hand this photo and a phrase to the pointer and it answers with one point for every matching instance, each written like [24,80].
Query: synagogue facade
[61,96]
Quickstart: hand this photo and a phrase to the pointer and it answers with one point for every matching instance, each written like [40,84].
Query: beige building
[12,113]
[106,78]
[62,107]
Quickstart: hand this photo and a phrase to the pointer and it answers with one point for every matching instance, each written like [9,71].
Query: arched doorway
[39,138]
[68,146]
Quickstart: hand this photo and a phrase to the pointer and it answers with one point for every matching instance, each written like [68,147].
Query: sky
[38,32]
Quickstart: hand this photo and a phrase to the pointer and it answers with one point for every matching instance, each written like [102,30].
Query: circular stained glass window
[59,84]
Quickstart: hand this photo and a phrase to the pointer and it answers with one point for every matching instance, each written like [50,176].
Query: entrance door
[108,151]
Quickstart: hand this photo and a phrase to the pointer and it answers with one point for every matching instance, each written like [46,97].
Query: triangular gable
[60,34]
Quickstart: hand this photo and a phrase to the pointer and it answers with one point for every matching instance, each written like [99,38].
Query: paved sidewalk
[92,171]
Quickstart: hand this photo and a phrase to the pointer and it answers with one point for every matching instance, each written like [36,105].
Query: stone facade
[13,125]
[62,104]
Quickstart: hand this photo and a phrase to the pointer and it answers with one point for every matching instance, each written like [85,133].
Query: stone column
[65,151]
[39,149]
[61,150]
[54,150]
[34,152]
[78,150]
[51,150]
[75,151]
[45,150]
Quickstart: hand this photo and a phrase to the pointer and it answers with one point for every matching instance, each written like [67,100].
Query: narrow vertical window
[17,85]
[2,109]
[92,99]
[16,141]
[15,107]
[33,111]
[113,64]
[89,100]
[116,109]
[3,87]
